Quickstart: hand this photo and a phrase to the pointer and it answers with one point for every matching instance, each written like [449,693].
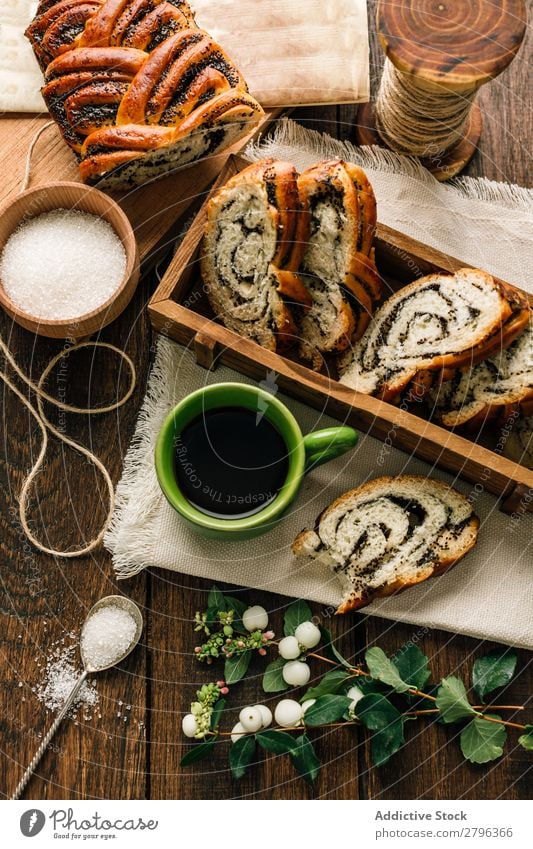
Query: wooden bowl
[52,196]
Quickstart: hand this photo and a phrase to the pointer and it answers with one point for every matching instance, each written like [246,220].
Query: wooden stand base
[443,165]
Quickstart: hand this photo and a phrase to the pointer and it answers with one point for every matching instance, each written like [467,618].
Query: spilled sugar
[60,675]
[62,264]
[107,635]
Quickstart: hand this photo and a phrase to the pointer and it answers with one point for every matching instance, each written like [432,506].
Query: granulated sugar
[62,264]
[61,673]
[106,635]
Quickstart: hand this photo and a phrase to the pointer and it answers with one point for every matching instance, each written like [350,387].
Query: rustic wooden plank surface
[42,600]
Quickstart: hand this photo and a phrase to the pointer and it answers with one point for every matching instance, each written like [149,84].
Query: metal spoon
[109,601]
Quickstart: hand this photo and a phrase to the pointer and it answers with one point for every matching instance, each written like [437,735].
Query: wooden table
[42,600]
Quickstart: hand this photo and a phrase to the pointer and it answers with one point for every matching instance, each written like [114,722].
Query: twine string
[414,118]
[46,426]
[27,170]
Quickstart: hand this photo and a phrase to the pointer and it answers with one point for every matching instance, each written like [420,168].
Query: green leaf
[412,665]
[236,604]
[273,681]
[493,671]
[368,685]
[215,599]
[241,754]
[278,742]
[326,709]
[218,707]
[331,650]
[331,682]
[383,669]
[452,700]
[236,667]
[387,741]
[526,740]
[483,741]
[305,759]
[295,614]
[376,712]
[197,753]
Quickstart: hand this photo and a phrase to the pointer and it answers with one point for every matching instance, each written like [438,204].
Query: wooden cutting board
[154,210]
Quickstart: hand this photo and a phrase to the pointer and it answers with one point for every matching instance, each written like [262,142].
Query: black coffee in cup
[230,462]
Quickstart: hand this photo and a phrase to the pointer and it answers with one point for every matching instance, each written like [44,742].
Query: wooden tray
[179,309]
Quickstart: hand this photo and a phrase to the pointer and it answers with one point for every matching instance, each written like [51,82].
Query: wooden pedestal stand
[451,45]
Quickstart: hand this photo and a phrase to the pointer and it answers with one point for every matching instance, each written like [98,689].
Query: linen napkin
[294,52]
[20,76]
[489,595]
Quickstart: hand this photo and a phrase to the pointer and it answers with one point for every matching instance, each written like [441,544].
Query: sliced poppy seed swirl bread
[390,534]
[136,88]
[437,322]
[338,265]
[473,395]
[254,238]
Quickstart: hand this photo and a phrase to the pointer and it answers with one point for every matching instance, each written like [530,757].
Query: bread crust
[112,64]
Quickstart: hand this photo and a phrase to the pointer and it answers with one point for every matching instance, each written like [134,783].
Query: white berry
[255,618]
[307,704]
[251,719]
[296,673]
[288,713]
[308,635]
[266,715]
[237,732]
[355,694]
[189,725]
[289,648]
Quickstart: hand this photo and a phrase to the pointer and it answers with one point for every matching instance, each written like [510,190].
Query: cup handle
[324,445]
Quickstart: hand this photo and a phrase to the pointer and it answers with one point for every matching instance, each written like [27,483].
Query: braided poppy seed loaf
[437,322]
[390,534]
[136,88]
[338,265]
[473,395]
[253,243]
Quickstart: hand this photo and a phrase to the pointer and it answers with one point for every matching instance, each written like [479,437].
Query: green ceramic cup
[304,453]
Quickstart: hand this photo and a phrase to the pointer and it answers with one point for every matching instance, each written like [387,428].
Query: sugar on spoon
[121,622]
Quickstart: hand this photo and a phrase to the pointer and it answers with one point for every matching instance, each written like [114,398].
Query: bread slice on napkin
[437,322]
[473,395]
[253,243]
[390,534]
[338,264]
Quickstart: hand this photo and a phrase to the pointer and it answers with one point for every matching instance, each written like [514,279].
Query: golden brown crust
[176,76]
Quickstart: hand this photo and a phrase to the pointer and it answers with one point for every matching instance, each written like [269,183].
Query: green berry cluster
[223,640]
[202,709]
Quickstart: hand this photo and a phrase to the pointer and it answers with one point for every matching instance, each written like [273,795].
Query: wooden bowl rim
[130,248]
